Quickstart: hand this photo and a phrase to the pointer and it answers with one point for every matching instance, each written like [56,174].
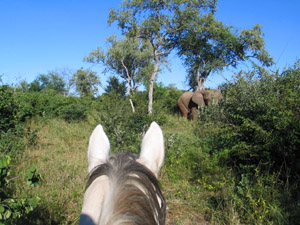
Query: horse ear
[152,152]
[98,150]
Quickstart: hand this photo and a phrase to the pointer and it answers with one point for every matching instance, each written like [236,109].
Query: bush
[165,99]
[250,199]
[123,127]
[11,208]
[263,124]
[265,116]
[73,112]
[8,109]
[50,104]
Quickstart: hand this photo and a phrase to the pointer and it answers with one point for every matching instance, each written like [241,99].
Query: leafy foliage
[73,112]
[33,177]
[208,46]
[265,114]
[166,99]
[4,170]
[85,82]
[50,81]
[115,86]
[8,109]
[122,126]
[128,58]
[13,208]
[49,104]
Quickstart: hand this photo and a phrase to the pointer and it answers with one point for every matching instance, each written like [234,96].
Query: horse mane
[134,194]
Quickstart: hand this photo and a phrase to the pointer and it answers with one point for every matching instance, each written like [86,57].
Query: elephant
[190,101]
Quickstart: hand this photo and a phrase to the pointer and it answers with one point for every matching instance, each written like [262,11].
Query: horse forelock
[134,195]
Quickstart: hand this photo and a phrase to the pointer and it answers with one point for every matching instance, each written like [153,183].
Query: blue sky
[41,36]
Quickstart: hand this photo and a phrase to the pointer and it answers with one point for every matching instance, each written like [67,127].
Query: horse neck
[94,197]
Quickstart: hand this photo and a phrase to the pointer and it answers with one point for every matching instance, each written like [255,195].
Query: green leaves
[210,46]
[33,177]
[262,106]
[85,81]
[12,208]
[4,169]
[4,161]
[50,81]
[8,109]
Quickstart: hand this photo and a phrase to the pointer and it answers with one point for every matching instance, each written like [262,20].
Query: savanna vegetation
[237,164]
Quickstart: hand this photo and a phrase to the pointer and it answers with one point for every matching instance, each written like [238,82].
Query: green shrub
[73,112]
[249,199]
[50,104]
[261,132]
[11,131]
[123,127]
[265,115]
[8,109]
[12,208]
[165,99]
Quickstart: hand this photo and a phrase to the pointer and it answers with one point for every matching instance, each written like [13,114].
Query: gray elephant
[190,101]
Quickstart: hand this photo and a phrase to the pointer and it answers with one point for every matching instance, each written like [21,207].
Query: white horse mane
[123,189]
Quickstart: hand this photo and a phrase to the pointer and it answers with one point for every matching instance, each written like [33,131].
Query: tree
[23,86]
[115,86]
[210,46]
[66,75]
[155,21]
[85,82]
[50,81]
[129,58]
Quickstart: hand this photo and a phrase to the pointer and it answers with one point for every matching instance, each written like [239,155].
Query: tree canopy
[210,46]
[85,82]
[128,58]
[50,81]
[115,86]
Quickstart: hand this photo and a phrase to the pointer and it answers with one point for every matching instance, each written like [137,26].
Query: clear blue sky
[41,36]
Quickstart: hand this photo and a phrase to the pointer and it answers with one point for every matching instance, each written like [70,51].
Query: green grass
[60,157]
[197,188]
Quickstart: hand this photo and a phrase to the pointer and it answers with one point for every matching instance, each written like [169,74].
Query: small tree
[115,86]
[85,82]
[66,75]
[50,81]
[129,58]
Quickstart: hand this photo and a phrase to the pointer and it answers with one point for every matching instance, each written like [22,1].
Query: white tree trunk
[201,84]
[132,106]
[129,88]
[153,76]
[150,97]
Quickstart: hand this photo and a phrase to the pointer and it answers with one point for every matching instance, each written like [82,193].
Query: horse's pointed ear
[98,150]
[152,152]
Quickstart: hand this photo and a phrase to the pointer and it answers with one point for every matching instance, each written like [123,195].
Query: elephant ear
[198,98]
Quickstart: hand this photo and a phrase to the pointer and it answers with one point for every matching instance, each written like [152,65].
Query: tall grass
[199,189]
[60,156]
